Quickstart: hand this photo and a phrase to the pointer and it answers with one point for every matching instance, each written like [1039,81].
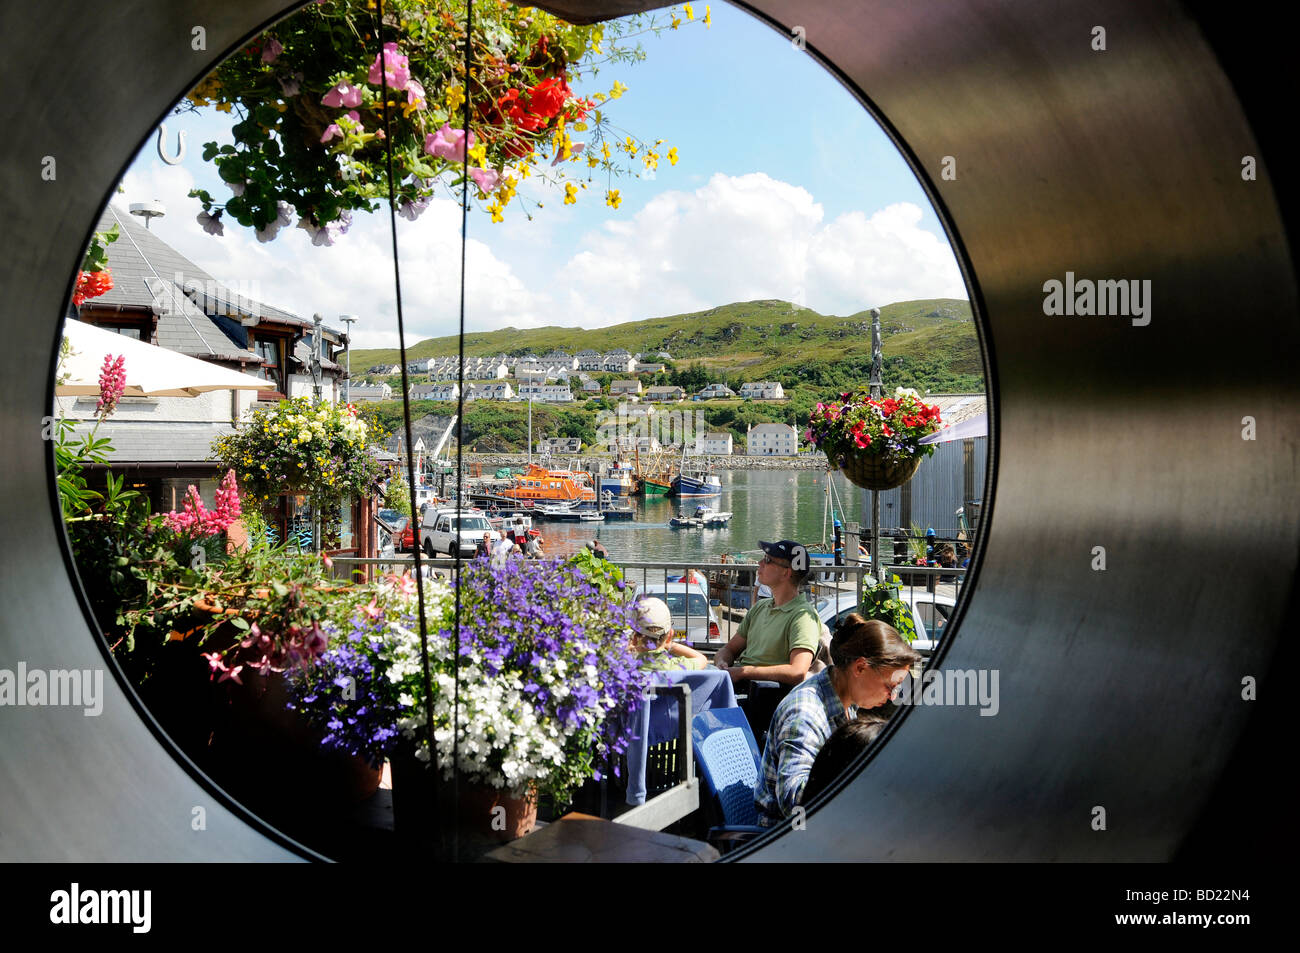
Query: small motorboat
[704,517]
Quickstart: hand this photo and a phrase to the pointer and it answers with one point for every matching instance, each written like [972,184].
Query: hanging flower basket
[319,451]
[875,441]
[879,473]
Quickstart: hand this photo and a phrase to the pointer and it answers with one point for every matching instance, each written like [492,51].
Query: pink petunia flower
[415,94]
[344,94]
[272,49]
[485,179]
[395,67]
[448,143]
[331,131]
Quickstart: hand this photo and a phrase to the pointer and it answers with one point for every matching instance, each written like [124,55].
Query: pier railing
[727,590]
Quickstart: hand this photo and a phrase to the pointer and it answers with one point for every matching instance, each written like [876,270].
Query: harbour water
[765,504]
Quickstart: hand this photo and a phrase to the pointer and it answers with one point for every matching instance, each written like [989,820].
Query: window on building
[271,351]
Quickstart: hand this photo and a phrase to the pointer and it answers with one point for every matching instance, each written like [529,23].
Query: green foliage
[292,150]
[603,574]
[881,602]
[398,495]
[96,258]
[320,451]
[928,345]
[916,544]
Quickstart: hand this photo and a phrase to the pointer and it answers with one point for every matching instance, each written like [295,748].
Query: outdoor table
[581,838]
[656,721]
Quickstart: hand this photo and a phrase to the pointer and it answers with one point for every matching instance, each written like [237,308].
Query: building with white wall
[771,440]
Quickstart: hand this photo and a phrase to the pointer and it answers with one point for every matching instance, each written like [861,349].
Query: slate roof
[148,274]
[148,441]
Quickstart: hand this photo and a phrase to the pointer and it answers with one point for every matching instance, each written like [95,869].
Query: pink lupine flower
[112,384]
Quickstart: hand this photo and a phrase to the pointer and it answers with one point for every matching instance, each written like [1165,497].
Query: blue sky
[786,188]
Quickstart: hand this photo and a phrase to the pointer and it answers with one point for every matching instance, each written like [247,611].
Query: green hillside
[756,340]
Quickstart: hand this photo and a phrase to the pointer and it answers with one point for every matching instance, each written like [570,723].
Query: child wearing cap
[652,639]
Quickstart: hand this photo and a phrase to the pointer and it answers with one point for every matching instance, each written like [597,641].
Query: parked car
[442,530]
[399,529]
[693,616]
[930,615]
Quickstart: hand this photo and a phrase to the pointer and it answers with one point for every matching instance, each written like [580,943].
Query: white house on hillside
[714,444]
[762,390]
[771,440]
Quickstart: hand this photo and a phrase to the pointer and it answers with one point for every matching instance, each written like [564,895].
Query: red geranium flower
[547,97]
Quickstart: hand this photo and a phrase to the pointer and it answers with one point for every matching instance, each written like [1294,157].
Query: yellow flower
[570,194]
[630,146]
[455,97]
[676,23]
[600,97]
[479,155]
[495,210]
[672,155]
[708,17]
[618,90]
[690,14]
[612,198]
[604,150]
[592,162]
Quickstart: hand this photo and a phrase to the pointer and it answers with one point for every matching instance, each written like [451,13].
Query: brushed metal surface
[1118,689]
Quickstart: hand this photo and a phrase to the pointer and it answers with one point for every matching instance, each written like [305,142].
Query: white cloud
[736,238]
[740,238]
[355,275]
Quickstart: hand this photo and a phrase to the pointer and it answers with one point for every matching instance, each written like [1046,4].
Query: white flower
[211,223]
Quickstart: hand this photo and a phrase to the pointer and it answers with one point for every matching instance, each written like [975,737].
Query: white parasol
[151,371]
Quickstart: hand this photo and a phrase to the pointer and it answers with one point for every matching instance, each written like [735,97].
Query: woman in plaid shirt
[869,661]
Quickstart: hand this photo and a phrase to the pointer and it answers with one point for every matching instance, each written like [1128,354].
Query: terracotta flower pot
[485,816]
[494,814]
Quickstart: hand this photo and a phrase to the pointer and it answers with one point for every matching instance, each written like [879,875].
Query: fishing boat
[654,479]
[695,480]
[617,480]
[543,485]
[697,484]
[651,486]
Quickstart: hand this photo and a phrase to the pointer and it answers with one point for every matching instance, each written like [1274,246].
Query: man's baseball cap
[796,554]
[652,617]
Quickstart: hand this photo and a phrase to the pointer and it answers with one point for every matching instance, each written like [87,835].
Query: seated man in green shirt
[779,636]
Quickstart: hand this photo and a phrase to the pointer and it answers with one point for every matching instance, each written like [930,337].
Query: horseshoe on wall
[180,145]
